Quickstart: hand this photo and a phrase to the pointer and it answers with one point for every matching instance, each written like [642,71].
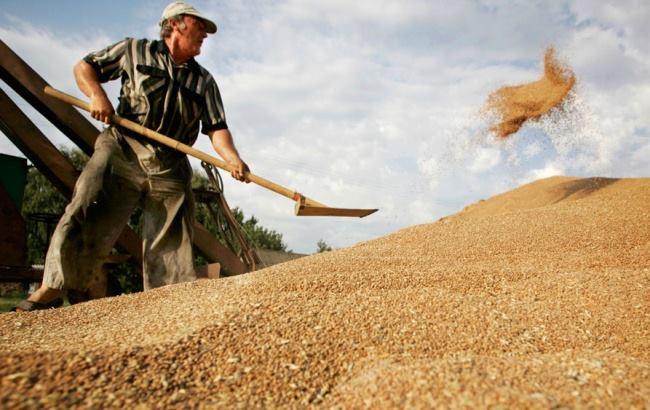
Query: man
[165,89]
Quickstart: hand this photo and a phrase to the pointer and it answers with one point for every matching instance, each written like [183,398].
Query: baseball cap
[180,7]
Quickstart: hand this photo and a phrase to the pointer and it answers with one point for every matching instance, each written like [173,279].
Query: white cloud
[378,105]
[549,170]
[601,57]
[47,52]
[387,13]
[641,156]
[485,159]
[628,17]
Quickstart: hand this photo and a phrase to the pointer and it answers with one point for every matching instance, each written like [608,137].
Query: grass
[9,301]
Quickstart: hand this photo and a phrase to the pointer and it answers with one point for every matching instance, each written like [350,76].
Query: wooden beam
[29,85]
[214,250]
[36,147]
[209,271]
[20,274]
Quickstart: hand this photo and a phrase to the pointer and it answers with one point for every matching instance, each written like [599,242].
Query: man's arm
[224,145]
[100,107]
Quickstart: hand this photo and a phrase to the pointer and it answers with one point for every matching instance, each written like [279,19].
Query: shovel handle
[179,146]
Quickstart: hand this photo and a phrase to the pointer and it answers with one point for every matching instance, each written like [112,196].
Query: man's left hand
[240,169]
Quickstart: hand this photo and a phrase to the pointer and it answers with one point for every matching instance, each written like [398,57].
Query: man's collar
[194,66]
[162,48]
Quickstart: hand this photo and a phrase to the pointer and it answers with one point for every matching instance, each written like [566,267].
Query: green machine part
[13,176]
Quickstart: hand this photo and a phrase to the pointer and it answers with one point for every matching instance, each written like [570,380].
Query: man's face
[191,37]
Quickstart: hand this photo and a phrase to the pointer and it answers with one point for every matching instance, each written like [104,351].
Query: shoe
[29,306]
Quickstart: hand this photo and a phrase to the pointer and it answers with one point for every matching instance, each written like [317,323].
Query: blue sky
[378,103]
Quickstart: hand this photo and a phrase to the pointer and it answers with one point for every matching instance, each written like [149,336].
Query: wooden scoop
[304,206]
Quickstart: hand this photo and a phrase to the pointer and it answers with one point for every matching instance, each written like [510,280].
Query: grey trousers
[114,181]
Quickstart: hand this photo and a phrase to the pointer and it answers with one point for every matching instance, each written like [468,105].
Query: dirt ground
[536,298]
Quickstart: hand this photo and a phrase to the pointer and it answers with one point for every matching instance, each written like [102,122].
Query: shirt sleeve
[214,116]
[109,62]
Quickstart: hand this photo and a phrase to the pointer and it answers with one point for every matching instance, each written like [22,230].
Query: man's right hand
[101,108]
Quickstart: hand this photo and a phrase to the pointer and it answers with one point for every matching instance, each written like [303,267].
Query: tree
[261,237]
[322,246]
[41,198]
[257,235]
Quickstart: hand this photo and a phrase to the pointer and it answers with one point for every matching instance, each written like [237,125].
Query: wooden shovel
[304,206]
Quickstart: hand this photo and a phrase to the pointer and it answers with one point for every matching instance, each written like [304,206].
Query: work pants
[114,181]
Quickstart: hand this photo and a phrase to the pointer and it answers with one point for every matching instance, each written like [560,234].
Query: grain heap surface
[514,105]
[535,298]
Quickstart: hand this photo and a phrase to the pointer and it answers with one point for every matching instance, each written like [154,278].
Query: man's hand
[240,169]
[222,143]
[101,108]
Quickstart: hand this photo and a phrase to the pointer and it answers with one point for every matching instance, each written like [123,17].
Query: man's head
[175,12]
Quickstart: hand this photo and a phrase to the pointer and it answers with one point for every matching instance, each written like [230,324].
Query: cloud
[390,13]
[48,52]
[549,170]
[628,18]
[609,65]
[485,159]
[360,105]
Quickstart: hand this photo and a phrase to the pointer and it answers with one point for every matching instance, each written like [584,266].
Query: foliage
[260,237]
[41,197]
[8,302]
[256,235]
[322,246]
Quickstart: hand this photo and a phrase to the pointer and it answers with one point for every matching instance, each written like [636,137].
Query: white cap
[180,7]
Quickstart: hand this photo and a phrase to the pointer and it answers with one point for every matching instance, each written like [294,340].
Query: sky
[378,104]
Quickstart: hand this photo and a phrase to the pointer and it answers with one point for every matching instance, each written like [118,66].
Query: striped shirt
[160,94]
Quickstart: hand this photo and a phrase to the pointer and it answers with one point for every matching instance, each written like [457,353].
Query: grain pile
[539,297]
[514,105]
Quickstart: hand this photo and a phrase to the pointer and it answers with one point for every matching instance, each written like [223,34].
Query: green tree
[261,237]
[43,204]
[322,246]
[257,235]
